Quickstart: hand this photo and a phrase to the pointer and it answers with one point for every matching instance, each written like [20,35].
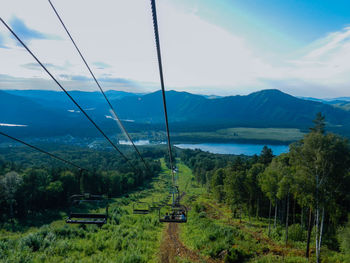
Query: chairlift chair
[154,205]
[174,214]
[140,208]
[77,217]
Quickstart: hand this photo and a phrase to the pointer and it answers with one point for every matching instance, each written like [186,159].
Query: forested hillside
[303,194]
[263,208]
[32,183]
[187,112]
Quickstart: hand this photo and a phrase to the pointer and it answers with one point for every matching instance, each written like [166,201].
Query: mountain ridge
[266,108]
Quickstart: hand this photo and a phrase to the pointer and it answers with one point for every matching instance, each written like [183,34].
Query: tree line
[308,187]
[31,183]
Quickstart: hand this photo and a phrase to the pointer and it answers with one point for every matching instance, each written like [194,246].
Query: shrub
[49,239]
[276,233]
[344,238]
[233,256]
[202,215]
[33,241]
[3,248]
[133,258]
[199,207]
[69,232]
[62,247]
[296,233]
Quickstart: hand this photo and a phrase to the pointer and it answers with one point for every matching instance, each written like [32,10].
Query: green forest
[293,207]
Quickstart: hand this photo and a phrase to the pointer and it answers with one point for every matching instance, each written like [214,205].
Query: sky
[213,47]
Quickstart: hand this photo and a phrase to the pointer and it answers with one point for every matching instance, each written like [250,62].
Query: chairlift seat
[162,220]
[87,218]
[141,211]
[175,215]
[84,215]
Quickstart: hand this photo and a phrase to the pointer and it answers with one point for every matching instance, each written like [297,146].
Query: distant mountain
[345,105]
[46,113]
[340,102]
[23,111]
[58,99]
[51,112]
[267,108]
[327,100]
[342,99]
[149,108]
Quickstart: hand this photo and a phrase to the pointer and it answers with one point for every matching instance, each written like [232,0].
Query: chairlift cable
[156,35]
[42,151]
[65,91]
[99,86]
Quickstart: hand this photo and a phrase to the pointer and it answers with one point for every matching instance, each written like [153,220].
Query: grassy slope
[127,238]
[211,231]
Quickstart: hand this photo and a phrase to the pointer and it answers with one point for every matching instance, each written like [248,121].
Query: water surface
[234,148]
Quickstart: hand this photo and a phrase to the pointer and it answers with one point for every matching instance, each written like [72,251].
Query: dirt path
[172,248]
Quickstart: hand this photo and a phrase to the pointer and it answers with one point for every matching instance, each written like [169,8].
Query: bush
[276,233]
[233,256]
[296,233]
[199,207]
[133,258]
[344,238]
[202,215]
[69,232]
[33,241]
[3,248]
[62,247]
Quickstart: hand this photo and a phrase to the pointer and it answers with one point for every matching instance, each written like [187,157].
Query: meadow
[243,134]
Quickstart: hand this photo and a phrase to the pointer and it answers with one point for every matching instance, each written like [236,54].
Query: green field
[267,135]
[238,134]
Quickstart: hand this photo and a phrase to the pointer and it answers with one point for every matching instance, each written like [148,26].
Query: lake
[234,148]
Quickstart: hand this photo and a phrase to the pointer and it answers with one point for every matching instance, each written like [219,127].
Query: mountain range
[51,113]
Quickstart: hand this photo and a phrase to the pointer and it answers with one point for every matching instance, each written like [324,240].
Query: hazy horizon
[195,93]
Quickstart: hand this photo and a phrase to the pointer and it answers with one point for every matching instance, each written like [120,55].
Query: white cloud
[195,53]
[198,56]
[324,68]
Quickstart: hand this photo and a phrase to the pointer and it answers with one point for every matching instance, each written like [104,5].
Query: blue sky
[223,47]
[285,24]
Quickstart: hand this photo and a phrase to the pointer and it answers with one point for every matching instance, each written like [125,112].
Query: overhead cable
[99,86]
[42,151]
[65,91]
[156,35]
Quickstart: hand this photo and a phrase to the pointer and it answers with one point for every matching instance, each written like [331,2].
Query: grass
[211,232]
[267,135]
[238,134]
[127,237]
